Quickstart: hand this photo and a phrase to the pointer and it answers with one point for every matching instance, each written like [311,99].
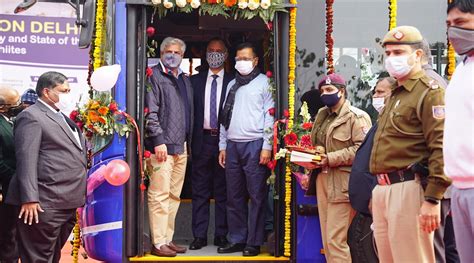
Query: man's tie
[213,110]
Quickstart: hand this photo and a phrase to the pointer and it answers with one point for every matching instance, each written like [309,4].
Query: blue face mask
[330,99]
[171,60]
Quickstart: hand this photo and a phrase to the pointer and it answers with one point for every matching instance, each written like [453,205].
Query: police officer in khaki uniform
[340,128]
[409,137]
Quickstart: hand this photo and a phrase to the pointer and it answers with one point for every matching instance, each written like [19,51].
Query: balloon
[117,172]
[104,78]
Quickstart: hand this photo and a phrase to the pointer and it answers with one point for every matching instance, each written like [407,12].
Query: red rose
[270,26]
[271,165]
[150,31]
[146,110]
[269,74]
[80,124]
[89,134]
[113,107]
[307,125]
[149,72]
[271,111]
[290,139]
[286,113]
[147,154]
[73,115]
[306,141]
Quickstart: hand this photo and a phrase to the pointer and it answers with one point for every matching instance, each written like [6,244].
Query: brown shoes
[176,248]
[163,251]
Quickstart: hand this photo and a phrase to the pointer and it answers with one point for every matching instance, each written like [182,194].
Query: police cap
[402,35]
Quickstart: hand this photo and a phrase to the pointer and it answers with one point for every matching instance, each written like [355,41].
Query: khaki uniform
[341,134]
[406,136]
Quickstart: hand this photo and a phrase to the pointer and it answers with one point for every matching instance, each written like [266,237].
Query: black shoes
[198,243]
[220,241]
[231,248]
[251,251]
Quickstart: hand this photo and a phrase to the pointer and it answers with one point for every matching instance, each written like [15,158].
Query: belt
[212,132]
[399,176]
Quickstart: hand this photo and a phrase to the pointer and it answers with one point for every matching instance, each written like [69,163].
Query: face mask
[378,103]
[171,60]
[244,67]
[461,39]
[66,102]
[330,99]
[215,59]
[398,66]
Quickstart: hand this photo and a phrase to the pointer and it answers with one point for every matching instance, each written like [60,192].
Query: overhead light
[26,4]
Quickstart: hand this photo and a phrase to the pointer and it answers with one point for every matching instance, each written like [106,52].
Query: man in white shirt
[458,146]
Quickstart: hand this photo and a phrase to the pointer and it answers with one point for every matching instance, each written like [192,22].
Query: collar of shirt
[6,118]
[220,74]
[48,106]
[409,84]
[169,72]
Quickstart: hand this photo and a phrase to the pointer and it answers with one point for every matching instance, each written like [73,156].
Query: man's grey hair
[390,80]
[426,58]
[172,41]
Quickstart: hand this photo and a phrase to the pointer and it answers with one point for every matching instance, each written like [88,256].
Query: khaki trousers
[165,188]
[397,232]
[335,219]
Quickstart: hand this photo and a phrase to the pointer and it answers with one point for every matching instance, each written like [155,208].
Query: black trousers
[208,177]
[8,242]
[42,242]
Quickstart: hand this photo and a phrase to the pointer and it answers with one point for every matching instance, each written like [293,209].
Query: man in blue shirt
[244,150]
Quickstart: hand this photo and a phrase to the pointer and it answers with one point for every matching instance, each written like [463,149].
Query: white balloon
[104,78]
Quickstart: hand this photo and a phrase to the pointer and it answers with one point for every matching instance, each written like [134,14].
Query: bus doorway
[195,30]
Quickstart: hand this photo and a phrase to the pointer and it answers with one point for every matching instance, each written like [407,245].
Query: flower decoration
[150,31]
[451,57]
[101,117]
[243,4]
[253,4]
[329,39]
[167,4]
[181,3]
[392,14]
[195,4]
[265,4]
[230,3]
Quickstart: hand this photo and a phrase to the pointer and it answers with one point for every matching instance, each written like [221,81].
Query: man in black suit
[10,106]
[207,176]
[50,180]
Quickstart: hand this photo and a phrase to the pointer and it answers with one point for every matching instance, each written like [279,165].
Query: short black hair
[49,80]
[465,6]
[217,39]
[247,45]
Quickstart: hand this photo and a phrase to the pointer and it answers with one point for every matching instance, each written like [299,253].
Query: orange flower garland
[451,57]
[329,39]
[291,109]
[392,14]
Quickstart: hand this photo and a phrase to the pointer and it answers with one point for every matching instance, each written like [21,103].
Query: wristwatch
[432,200]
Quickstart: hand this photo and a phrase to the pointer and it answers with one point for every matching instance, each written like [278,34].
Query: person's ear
[255,62]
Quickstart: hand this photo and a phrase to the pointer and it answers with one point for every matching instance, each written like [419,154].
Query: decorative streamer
[451,57]
[291,109]
[392,14]
[329,39]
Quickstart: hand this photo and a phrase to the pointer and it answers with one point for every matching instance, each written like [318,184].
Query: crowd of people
[398,170]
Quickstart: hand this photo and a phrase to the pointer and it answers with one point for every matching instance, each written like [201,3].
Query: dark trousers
[8,242]
[246,179]
[208,177]
[444,243]
[42,242]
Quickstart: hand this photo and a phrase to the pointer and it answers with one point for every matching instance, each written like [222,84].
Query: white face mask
[244,67]
[66,102]
[378,103]
[398,66]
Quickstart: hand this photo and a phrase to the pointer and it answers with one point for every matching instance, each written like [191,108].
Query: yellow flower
[95,105]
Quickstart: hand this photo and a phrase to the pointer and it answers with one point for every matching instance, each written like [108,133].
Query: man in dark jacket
[168,134]
[9,107]
[208,176]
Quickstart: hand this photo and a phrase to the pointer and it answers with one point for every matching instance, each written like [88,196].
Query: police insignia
[328,81]
[438,112]
[398,35]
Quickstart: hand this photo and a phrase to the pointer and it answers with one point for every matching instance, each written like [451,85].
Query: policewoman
[340,128]
[408,138]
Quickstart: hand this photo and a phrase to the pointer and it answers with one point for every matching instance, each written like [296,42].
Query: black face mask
[13,111]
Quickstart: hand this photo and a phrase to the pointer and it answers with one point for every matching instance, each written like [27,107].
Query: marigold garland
[76,240]
[99,34]
[451,57]
[291,109]
[329,39]
[392,14]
